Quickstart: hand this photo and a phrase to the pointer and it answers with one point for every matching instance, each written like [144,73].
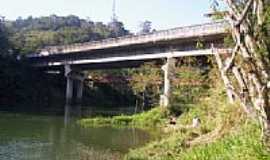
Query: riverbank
[224,133]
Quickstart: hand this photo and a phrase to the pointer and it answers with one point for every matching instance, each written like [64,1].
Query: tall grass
[154,117]
[225,134]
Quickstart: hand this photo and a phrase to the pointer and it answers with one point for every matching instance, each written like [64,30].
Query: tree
[146,27]
[30,34]
[117,28]
[4,43]
[249,63]
[145,82]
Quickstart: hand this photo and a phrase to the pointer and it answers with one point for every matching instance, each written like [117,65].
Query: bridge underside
[122,62]
[73,69]
[127,56]
[101,66]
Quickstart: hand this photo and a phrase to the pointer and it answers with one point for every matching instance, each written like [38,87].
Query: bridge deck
[202,30]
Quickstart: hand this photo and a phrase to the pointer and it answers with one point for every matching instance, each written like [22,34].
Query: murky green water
[25,137]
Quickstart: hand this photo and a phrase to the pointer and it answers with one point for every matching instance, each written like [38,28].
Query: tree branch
[243,15]
[232,9]
[260,9]
[240,79]
[225,78]
[229,64]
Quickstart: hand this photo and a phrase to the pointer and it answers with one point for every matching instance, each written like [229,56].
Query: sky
[163,14]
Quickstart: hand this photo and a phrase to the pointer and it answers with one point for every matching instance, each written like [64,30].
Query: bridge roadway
[131,51]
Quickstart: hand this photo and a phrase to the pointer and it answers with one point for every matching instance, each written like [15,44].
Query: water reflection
[48,138]
[72,112]
[67,116]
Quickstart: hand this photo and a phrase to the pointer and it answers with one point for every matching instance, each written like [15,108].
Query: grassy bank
[244,145]
[225,133]
[154,117]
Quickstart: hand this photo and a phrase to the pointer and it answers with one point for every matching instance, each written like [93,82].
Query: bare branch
[257,82]
[240,79]
[244,13]
[232,9]
[230,62]
[260,9]
[227,82]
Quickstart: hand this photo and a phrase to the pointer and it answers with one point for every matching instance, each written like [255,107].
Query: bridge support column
[69,90]
[167,68]
[75,80]
[72,77]
[79,91]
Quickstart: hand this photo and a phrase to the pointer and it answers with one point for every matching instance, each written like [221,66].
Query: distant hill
[28,35]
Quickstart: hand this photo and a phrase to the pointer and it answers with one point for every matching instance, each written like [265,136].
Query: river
[32,137]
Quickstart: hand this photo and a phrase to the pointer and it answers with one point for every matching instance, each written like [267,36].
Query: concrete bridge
[131,51]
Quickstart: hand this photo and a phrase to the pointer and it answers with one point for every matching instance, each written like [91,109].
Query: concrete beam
[154,56]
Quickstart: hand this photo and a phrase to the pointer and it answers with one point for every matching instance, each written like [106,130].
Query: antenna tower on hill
[114,17]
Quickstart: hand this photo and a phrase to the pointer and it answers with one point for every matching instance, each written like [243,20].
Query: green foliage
[4,43]
[229,42]
[145,77]
[225,133]
[199,44]
[23,86]
[31,34]
[154,117]
[145,83]
[117,29]
[244,145]
[265,32]
[188,86]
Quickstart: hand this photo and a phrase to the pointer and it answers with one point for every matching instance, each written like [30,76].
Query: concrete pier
[167,68]
[79,91]
[69,91]
[75,80]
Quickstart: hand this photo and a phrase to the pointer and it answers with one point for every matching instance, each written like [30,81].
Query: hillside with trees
[30,34]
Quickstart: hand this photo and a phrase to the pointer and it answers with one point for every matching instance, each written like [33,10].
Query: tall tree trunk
[249,64]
